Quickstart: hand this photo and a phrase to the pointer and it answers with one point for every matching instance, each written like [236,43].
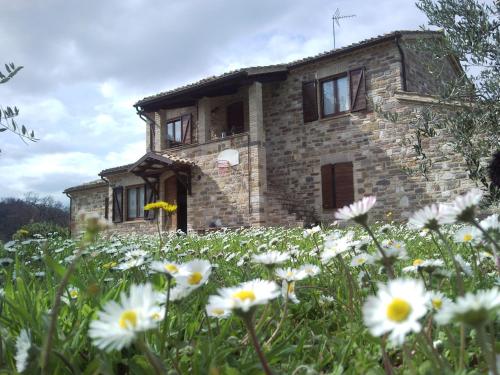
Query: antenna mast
[335,20]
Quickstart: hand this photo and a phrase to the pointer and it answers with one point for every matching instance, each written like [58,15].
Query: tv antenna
[335,20]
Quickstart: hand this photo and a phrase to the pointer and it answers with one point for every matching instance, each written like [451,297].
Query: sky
[87,62]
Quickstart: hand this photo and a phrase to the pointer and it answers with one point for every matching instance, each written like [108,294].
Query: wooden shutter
[186,128]
[327,186]
[106,208]
[309,101]
[149,197]
[118,204]
[357,89]
[343,182]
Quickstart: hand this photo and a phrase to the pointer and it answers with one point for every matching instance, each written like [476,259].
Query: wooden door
[171,197]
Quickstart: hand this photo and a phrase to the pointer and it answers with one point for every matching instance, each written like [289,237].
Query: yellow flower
[165,206]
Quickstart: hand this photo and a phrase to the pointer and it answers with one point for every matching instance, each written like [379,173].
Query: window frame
[334,78]
[168,140]
[126,205]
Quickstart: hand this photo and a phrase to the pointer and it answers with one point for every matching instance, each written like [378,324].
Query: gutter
[149,121]
[70,210]
[403,63]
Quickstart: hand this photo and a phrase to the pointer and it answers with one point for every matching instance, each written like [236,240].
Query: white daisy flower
[131,263]
[471,309]
[194,274]
[467,234]
[177,293]
[310,270]
[244,297]
[326,300]
[166,267]
[288,291]
[136,253]
[361,259]
[463,208]
[214,308]
[396,309]
[290,274]
[270,257]
[334,246]
[437,300]
[428,265]
[119,323]
[465,267]
[490,223]
[23,345]
[310,231]
[394,249]
[356,211]
[431,217]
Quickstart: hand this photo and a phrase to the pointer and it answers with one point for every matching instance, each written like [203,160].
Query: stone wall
[296,151]
[87,201]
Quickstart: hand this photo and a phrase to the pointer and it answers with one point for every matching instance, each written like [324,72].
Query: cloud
[86,63]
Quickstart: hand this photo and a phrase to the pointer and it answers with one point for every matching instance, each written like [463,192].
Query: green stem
[460,281]
[385,259]
[248,320]
[165,319]
[283,316]
[152,359]
[489,355]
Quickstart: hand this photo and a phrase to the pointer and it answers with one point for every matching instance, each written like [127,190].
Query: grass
[323,334]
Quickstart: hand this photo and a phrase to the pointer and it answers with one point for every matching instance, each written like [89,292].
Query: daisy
[361,259]
[131,263]
[23,345]
[471,309]
[396,309]
[310,270]
[270,258]
[194,273]
[437,300]
[336,246]
[467,234]
[357,211]
[290,274]
[119,323]
[394,249]
[214,308]
[310,231]
[288,291]
[428,265]
[491,223]
[464,266]
[166,267]
[431,217]
[248,295]
[464,207]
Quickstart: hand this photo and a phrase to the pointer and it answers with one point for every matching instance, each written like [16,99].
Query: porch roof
[153,163]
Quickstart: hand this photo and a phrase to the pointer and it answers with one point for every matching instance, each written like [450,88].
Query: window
[334,96]
[178,130]
[135,202]
[337,185]
[118,204]
[235,118]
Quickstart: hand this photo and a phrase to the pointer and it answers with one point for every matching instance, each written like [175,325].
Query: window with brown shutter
[334,95]
[178,130]
[309,101]
[337,185]
[357,89]
[118,204]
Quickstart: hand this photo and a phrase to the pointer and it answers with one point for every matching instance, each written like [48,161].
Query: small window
[179,131]
[334,96]
[135,202]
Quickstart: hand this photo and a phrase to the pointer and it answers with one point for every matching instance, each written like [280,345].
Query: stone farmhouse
[284,144]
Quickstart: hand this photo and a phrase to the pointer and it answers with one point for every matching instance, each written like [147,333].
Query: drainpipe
[70,209]
[148,120]
[403,63]
[249,176]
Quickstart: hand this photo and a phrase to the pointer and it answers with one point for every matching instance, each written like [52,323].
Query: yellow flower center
[155,316]
[109,265]
[218,312]
[243,295]
[361,260]
[128,319]
[398,310]
[418,262]
[172,268]
[195,278]
[73,293]
[289,274]
[291,288]
[437,303]
[467,237]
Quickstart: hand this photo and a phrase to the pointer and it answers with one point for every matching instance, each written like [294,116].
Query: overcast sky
[86,63]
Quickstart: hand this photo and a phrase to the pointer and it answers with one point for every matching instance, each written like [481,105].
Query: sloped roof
[85,186]
[256,71]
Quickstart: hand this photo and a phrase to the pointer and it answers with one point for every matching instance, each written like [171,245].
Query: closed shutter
[343,184]
[357,89]
[118,204]
[309,101]
[186,128]
[150,197]
[106,208]
[327,186]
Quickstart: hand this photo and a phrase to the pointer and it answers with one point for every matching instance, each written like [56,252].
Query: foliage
[42,228]
[8,114]
[15,213]
[322,333]
[471,119]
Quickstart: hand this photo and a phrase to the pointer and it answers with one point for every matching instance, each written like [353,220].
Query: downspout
[249,176]
[70,210]
[149,121]
[107,182]
[403,63]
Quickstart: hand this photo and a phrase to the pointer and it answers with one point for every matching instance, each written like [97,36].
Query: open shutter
[309,101]
[327,186]
[357,89]
[186,128]
[343,184]
[106,208]
[150,197]
[118,204]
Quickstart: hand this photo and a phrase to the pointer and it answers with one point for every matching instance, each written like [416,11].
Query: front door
[176,193]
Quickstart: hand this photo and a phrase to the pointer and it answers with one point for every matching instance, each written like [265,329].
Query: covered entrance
[176,187]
